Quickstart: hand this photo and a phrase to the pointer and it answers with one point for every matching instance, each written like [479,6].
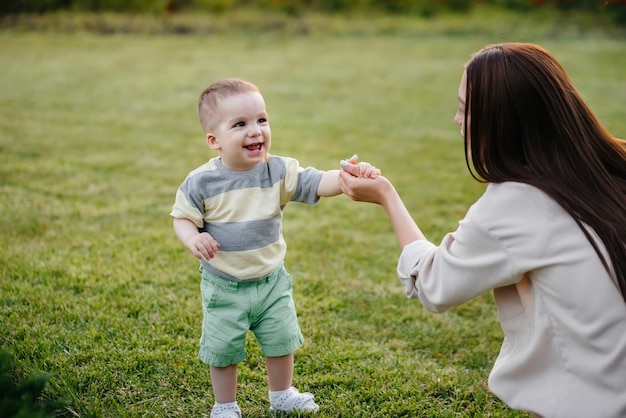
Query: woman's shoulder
[514,202]
[520,196]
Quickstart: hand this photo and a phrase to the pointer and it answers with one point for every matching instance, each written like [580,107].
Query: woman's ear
[212,141]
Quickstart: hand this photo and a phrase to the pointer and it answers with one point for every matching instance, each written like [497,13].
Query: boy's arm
[201,244]
[329,185]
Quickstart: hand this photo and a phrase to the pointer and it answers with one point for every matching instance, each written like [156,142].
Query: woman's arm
[381,191]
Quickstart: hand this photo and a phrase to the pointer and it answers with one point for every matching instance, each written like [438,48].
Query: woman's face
[459,117]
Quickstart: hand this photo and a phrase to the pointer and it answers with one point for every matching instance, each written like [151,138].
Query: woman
[548,235]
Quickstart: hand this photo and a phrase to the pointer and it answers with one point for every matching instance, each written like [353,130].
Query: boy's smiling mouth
[254,147]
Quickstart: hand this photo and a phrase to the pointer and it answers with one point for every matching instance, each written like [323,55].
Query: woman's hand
[363,189]
[360,169]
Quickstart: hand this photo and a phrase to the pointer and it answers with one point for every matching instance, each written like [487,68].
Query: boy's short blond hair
[210,97]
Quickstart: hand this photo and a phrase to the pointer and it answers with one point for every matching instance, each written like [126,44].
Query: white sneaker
[228,410]
[294,401]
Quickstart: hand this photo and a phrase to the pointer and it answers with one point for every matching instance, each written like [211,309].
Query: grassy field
[96,134]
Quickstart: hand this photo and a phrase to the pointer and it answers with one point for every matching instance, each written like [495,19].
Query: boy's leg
[277,330]
[280,372]
[224,381]
[283,396]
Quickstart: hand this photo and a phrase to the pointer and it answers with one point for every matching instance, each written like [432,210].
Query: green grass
[483,18]
[96,134]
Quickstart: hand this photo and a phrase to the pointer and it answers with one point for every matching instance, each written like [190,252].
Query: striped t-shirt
[242,210]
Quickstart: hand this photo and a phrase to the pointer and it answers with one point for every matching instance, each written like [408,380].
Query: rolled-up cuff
[408,262]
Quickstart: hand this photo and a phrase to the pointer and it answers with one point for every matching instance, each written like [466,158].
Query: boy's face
[242,133]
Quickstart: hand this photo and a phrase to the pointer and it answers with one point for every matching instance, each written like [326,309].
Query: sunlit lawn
[97,132]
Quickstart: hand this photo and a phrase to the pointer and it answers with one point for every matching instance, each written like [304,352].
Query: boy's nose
[254,131]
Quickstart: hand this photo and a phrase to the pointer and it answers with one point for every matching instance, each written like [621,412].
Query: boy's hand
[357,169]
[203,246]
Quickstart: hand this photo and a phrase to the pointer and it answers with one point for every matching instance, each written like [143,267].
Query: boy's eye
[240,124]
[262,120]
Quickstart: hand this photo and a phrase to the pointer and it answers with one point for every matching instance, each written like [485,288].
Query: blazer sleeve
[467,262]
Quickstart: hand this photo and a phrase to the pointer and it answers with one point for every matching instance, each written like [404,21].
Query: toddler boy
[228,213]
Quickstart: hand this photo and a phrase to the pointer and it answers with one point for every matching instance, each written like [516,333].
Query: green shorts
[265,307]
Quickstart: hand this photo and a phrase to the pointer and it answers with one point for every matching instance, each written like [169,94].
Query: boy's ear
[212,142]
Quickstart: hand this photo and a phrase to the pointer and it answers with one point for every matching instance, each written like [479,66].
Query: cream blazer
[562,314]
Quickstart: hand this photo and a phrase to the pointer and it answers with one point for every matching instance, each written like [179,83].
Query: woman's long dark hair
[526,122]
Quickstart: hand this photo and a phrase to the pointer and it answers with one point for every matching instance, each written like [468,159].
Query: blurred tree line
[423,8]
